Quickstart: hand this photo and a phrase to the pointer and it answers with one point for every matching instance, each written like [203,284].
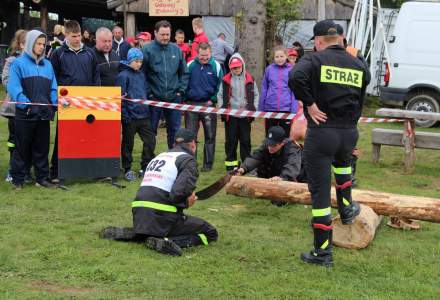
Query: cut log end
[359,234]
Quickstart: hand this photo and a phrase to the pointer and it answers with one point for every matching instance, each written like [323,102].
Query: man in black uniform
[166,190]
[278,158]
[331,83]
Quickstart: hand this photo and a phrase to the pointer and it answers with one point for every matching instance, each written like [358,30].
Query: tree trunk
[411,207]
[359,234]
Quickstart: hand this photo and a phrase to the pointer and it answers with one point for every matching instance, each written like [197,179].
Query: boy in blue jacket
[136,117]
[32,80]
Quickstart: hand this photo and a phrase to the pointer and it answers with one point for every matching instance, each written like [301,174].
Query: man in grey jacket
[221,49]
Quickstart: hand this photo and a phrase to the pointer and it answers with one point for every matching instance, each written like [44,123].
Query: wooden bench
[407,138]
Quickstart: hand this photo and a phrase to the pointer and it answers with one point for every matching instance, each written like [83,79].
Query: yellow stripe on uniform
[321,212]
[231,163]
[325,245]
[154,205]
[203,238]
[342,171]
[346,76]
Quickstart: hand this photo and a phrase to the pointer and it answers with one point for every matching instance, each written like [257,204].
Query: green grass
[49,245]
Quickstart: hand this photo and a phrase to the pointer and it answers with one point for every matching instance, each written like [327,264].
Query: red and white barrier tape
[97,104]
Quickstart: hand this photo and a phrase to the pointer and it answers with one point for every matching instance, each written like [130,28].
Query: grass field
[49,245]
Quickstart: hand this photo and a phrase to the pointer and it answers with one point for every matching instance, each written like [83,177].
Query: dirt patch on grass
[60,289]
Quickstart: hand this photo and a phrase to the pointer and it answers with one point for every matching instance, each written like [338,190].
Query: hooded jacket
[32,80]
[121,48]
[75,68]
[275,92]
[133,86]
[204,80]
[165,70]
[236,90]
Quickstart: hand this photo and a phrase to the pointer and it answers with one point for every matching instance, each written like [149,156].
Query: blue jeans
[173,120]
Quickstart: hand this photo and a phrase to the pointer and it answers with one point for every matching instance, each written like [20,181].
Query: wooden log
[359,234]
[411,207]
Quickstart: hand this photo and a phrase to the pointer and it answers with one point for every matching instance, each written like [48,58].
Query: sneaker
[17,186]
[278,203]
[349,213]
[206,169]
[117,233]
[8,177]
[28,179]
[130,176]
[45,184]
[319,257]
[164,246]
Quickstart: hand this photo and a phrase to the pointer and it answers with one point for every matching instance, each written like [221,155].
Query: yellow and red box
[89,140]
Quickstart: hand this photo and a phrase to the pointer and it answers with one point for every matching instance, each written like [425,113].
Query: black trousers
[143,128]
[285,124]
[325,148]
[31,147]
[54,159]
[209,123]
[187,232]
[237,130]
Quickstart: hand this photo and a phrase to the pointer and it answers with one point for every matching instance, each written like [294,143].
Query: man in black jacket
[74,64]
[331,83]
[166,190]
[278,158]
[107,59]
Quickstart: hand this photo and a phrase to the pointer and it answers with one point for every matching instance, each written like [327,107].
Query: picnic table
[407,138]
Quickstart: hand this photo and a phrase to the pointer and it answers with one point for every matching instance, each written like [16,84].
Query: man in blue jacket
[204,82]
[75,65]
[167,75]
[32,80]
[120,46]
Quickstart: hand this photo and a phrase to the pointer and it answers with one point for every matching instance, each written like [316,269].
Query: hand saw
[215,187]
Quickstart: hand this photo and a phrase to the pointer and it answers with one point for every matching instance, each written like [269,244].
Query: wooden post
[409,142]
[410,207]
[130,25]
[252,44]
[321,10]
[376,153]
[44,16]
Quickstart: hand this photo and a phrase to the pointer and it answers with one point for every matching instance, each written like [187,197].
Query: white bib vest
[161,172]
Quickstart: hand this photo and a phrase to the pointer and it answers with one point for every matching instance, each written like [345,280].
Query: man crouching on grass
[166,190]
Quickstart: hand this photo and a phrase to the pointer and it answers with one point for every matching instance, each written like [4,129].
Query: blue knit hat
[134,54]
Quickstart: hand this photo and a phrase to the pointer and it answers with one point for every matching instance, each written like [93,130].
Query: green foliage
[49,245]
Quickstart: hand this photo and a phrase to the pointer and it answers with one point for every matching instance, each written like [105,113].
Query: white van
[412,77]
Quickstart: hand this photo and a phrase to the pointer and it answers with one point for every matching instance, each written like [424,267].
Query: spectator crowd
[206,73]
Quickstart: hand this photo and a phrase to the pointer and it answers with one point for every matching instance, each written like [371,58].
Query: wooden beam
[412,114]
[44,16]
[410,207]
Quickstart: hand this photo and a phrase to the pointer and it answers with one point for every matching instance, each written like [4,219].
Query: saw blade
[213,188]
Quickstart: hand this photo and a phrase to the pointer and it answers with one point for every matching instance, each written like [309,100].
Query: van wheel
[423,101]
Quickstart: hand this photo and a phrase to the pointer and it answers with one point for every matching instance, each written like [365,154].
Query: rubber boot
[349,213]
[319,257]
[164,246]
[118,233]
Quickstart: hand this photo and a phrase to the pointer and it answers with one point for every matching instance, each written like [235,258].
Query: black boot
[319,257]
[349,213]
[117,233]
[164,246]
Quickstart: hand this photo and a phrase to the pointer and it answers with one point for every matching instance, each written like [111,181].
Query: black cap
[184,136]
[339,29]
[325,27]
[275,135]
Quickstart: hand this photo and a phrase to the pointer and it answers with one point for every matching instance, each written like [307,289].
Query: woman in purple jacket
[276,95]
